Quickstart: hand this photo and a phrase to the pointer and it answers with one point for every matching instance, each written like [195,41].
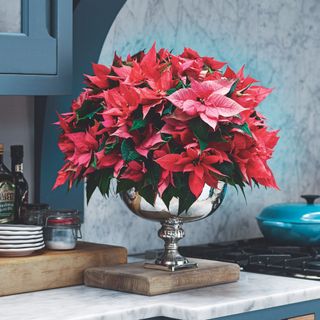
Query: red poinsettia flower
[166,176]
[199,166]
[108,160]
[134,171]
[100,79]
[207,100]
[149,141]
[245,93]
[179,130]
[252,154]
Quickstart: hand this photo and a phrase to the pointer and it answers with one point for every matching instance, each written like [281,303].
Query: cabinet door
[36,47]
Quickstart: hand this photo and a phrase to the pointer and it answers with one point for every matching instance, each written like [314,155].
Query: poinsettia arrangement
[166,124]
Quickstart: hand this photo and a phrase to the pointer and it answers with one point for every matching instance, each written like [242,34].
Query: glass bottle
[7,192]
[21,184]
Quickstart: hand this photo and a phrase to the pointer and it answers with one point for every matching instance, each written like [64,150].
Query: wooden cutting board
[55,269]
[133,277]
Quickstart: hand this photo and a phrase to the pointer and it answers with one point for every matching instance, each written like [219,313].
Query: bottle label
[6,199]
[19,167]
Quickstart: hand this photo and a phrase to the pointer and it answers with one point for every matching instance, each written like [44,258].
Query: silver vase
[171,230]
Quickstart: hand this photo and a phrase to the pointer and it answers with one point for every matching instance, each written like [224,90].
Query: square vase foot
[171,268]
[135,278]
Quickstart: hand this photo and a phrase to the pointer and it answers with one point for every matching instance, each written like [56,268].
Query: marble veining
[279,41]
[251,292]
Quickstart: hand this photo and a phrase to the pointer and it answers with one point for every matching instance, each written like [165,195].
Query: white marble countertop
[251,292]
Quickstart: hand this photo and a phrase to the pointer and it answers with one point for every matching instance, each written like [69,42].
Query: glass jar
[62,229]
[34,213]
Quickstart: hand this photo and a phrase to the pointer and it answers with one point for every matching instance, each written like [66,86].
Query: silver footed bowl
[171,231]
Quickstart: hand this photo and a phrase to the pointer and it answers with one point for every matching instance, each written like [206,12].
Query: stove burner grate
[256,255]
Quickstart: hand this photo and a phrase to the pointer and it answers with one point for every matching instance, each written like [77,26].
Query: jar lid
[62,220]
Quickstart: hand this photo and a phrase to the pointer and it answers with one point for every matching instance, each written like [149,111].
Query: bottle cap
[17,151]
[1,148]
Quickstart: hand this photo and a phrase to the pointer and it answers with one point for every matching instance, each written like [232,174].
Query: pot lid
[308,212]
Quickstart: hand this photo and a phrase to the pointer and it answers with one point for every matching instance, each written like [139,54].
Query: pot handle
[278,224]
[310,198]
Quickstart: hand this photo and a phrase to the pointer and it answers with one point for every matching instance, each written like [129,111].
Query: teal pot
[292,223]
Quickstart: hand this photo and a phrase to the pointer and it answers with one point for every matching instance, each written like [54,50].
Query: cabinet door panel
[33,51]
[10,16]
[38,60]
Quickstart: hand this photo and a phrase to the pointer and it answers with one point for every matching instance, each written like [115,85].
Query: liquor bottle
[7,192]
[21,184]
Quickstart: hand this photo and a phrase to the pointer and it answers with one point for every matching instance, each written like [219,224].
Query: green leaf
[226,168]
[127,151]
[100,179]
[94,162]
[153,173]
[88,110]
[168,194]
[178,86]
[168,110]
[186,199]
[138,123]
[210,70]
[243,193]
[203,145]
[104,182]
[217,136]
[149,194]
[233,172]
[202,131]
[244,127]
[256,183]
[182,191]
[110,147]
[103,143]
[233,87]
[124,185]
[171,91]
[92,183]
[166,137]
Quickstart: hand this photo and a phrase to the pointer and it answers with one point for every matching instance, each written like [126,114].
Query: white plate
[19,252]
[20,227]
[18,241]
[21,245]
[20,237]
[19,233]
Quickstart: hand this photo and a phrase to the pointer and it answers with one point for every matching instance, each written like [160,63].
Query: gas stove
[257,255]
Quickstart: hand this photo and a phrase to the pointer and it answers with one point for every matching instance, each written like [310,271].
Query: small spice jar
[34,213]
[62,229]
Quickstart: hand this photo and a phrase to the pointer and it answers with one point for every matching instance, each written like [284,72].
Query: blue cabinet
[91,23]
[307,310]
[38,59]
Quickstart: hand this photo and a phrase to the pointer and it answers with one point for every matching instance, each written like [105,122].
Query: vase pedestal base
[135,278]
[171,268]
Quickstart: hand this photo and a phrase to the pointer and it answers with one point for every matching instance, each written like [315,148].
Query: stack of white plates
[20,240]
